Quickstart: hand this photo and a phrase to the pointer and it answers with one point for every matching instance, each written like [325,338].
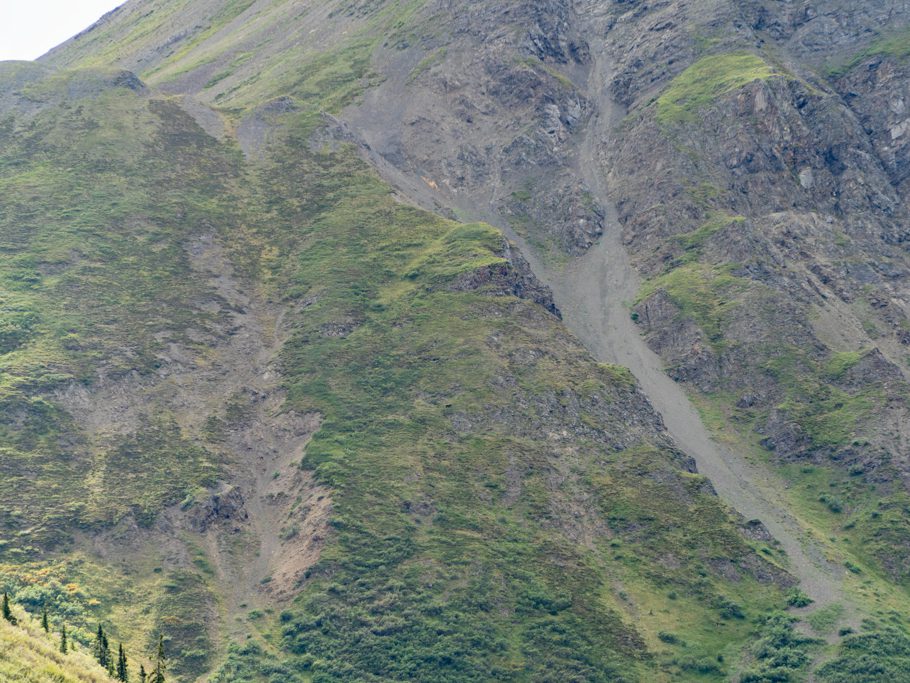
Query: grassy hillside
[312,433]
[788,362]
[501,505]
[500,468]
[29,655]
[237,54]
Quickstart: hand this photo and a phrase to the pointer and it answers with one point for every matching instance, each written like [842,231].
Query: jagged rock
[225,505]
[514,277]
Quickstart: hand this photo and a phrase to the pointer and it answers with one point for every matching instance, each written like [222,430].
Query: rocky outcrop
[513,277]
[223,506]
[878,90]
[492,118]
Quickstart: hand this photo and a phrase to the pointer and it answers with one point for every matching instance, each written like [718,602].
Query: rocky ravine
[571,134]
[594,292]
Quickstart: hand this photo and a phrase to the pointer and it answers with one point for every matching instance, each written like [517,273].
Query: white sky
[29,28]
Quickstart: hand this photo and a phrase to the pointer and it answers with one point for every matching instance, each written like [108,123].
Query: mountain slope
[478,498]
[31,656]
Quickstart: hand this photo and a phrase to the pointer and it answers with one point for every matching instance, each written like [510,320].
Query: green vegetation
[474,570]
[824,620]
[538,65]
[780,653]
[702,292]
[796,598]
[707,80]
[896,45]
[427,63]
[818,410]
[122,665]
[83,219]
[503,508]
[6,612]
[829,416]
[28,653]
[875,657]
[840,363]
[182,611]
[447,406]
[95,276]
[717,221]
[868,534]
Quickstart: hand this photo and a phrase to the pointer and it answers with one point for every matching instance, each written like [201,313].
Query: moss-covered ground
[705,81]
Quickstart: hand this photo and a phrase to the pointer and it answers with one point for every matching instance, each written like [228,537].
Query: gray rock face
[223,506]
[491,114]
[817,177]
[878,91]
[514,277]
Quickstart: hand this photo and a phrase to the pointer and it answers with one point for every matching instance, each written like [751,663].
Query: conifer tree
[99,638]
[64,648]
[7,613]
[157,675]
[142,674]
[122,674]
[102,650]
[44,624]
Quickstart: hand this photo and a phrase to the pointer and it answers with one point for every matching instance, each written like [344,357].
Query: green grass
[896,45]
[823,621]
[702,292]
[830,416]
[707,80]
[538,65]
[876,657]
[427,63]
[81,592]
[860,522]
[779,653]
[841,362]
[29,655]
[479,585]
[695,240]
[320,81]
[852,510]
[93,255]
[446,409]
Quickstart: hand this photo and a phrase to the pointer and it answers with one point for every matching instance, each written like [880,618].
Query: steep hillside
[275,384]
[29,655]
[307,431]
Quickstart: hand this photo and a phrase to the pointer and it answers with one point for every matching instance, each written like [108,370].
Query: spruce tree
[142,674]
[64,648]
[96,648]
[122,674]
[108,660]
[157,675]
[44,624]
[7,612]
[102,650]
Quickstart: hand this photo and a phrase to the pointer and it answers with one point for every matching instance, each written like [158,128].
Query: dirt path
[593,293]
